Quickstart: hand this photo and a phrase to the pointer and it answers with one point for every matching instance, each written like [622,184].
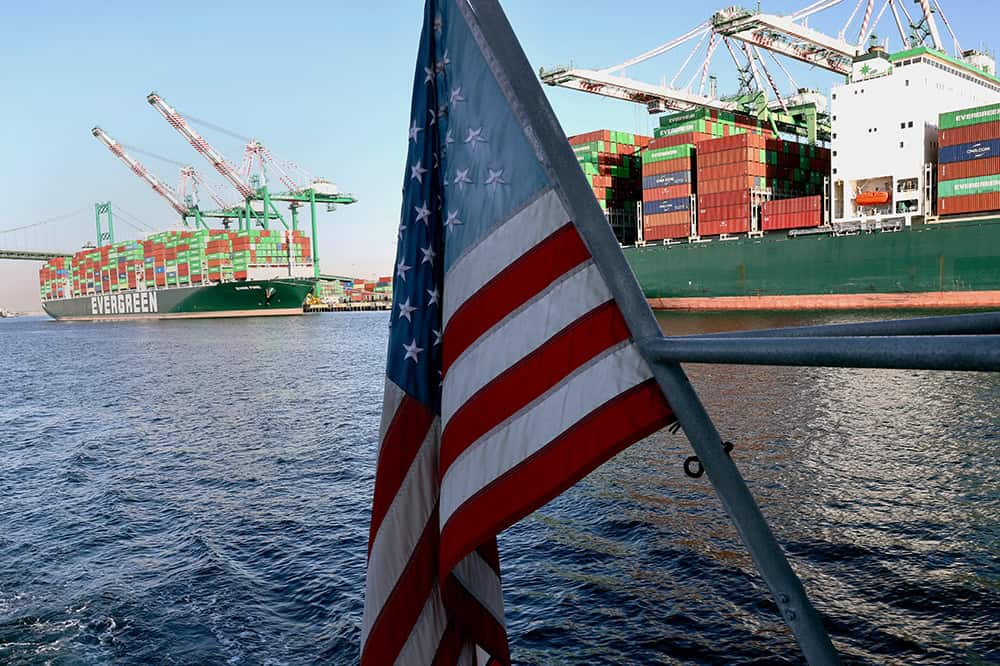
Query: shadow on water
[198,492]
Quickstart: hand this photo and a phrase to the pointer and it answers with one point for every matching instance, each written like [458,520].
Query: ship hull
[230,299]
[950,265]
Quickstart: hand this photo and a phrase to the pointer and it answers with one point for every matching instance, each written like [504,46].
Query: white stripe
[521,333]
[502,247]
[422,643]
[391,398]
[401,528]
[481,581]
[523,435]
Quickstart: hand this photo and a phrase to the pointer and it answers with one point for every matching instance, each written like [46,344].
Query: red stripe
[399,614]
[531,377]
[403,437]
[627,418]
[478,624]
[512,287]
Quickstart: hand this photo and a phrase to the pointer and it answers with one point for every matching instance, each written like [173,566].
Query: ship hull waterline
[279,297]
[948,265]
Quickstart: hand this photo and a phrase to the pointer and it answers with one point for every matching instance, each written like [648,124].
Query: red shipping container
[969,203]
[969,134]
[728,226]
[669,192]
[664,231]
[668,166]
[196,277]
[662,219]
[795,220]
[989,166]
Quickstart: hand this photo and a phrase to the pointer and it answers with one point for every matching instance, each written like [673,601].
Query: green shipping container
[973,116]
[669,153]
[977,185]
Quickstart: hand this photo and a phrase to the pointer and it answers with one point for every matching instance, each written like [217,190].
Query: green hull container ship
[283,296]
[954,264]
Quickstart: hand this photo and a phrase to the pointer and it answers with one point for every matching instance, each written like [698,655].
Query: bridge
[33,255]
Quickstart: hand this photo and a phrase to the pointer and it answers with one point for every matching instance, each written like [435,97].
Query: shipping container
[669,192]
[966,186]
[666,206]
[974,116]
[969,203]
[969,134]
[666,231]
[964,152]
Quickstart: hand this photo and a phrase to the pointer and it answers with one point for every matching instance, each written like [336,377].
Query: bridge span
[33,255]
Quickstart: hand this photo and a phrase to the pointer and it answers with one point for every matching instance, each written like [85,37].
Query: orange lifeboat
[871,198]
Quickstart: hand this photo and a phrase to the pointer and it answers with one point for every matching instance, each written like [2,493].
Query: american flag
[511,373]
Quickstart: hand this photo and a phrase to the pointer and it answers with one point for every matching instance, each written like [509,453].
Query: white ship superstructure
[884,130]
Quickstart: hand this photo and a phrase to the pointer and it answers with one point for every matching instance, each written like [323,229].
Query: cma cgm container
[182,274]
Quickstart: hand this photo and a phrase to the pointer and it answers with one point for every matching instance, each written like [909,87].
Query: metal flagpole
[525,95]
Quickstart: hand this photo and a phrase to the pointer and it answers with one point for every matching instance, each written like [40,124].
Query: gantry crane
[253,189]
[187,210]
[803,113]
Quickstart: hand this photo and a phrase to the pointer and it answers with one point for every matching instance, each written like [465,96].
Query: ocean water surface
[197,492]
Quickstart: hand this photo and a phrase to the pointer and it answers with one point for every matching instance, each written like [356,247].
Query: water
[198,492]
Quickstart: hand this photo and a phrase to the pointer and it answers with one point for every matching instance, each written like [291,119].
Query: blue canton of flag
[510,371]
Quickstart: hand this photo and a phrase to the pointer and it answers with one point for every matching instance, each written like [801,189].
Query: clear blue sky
[324,84]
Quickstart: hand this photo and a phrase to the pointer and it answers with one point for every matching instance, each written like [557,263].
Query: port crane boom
[139,170]
[785,36]
[201,145]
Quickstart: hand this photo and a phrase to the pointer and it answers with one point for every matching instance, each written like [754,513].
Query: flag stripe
[400,444]
[635,414]
[481,582]
[476,620]
[392,545]
[423,641]
[504,245]
[566,300]
[511,288]
[509,445]
[399,614]
[531,377]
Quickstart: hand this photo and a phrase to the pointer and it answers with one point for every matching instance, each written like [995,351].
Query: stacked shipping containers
[609,161]
[171,259]
[969,160]
[738,172]
[723,158]
[668,180]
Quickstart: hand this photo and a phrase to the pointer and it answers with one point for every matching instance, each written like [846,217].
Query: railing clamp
[691,461]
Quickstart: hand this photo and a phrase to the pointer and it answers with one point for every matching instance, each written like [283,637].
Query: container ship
[182,274]
[726,210]
[198,271]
